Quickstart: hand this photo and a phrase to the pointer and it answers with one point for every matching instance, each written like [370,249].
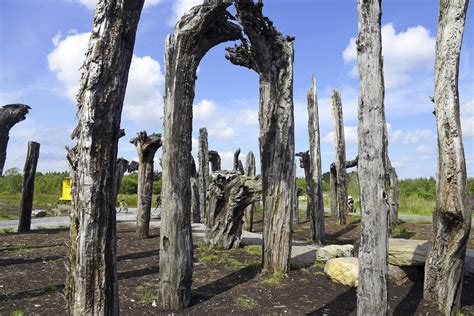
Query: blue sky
[42,44]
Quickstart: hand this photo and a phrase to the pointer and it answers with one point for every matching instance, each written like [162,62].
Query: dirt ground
[225,282]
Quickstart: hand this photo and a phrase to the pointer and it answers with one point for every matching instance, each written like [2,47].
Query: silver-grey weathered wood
[10,115]
[146,145]
[215,160]
[305,165]
[195,204]
[444,267]
[250,171]
[236,160]
[271,54]
[27,192]
[92,285]
[340,152]
[204,27]
[122,167]
[229,194]
[333,190]
[203,159]
[316,210]
[372,288]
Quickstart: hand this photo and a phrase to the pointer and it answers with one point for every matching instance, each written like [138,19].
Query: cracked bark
[203,159]
[215,160]
[270,54]
[444,267]
[316,210]
[305,165]
[195,203]
[372,288]
[340,151]
[204,27]
[91,285]
[146,149]
[122,166]
[29,172]
[250,171]
[10,115]
[333,190]
[229,194]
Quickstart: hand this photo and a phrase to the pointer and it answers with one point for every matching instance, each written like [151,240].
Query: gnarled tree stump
[250,171]
[10,115]
[146,149]
[228,195]
[215,160]
[29,172]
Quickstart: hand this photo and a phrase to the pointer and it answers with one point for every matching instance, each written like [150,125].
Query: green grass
[5,216]
[50,289]
[319,264]
[319,273]
[254,250]
[21,248]
[146,294]
[44,201]
[18,313]
[245,302]
[401,232]
[275,280]
[6,230]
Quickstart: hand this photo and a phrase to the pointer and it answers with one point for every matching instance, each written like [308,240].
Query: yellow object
[66,190]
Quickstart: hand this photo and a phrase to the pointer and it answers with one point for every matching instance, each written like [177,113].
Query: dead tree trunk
[333,190]
[10,115]
[204,27]
[372,289]
[215,160]
[203,158]
[236,159]
[29,172]
[146,149]
[444,268]
[250,171]
[316,175]
[340,150]
[91,286]
[229,194]
[122,166]
[305,165]
[270,54]
[195,204]
[296,214]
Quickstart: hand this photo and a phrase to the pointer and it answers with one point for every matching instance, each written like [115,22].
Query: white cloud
[91,4]
[350,134]
[143,100]
[206,114]
[248,117]
[180,7]
[393,136]
[424,149]
[467,119]
[418,136]
[400,162]
[204,110]
[403,52]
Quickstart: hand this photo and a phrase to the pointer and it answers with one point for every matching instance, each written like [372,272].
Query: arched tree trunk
[203,158]
[333,190]
[215,160]
[236,159]
[340,151]
[146,149]
[444,268]
[270,54]
[229,194]
[91,285]
[195,203]
[250,171]
[29,173]
[204,27]
[372,288]
[10,115]
[316,211]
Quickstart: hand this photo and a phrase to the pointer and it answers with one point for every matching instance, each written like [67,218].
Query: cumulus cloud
[143,100]
[206,113]
[424,149]
[90,4]
[248,117]
[350,134]
[403,52]
[467,119]
[418,136]
[180,7]
[204,110]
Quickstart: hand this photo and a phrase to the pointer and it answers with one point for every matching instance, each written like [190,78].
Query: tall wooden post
[203,158]
[444,267]
[215,160]
[333,190]
[372,289]
[195,203]
[250,171]
[29,172]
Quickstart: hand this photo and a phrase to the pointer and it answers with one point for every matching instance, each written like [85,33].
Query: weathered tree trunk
[340,151]
[195,204]
[236,159]
[122,166]
[29,172]
[229,194]
[204,27]
[296,214]
[10,115]
[215,160]
[316,175]
[393,195]
[250,171]
[333,190]
[305,165]
[372,289]
[270,54]
[91,286]
[203,159]
[444,268]
[146,149]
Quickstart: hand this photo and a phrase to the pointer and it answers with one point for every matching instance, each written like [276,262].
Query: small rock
[334,251]
[37,305]
[343,270]
[154,304]
[407,252]
[38,213]
[132,300]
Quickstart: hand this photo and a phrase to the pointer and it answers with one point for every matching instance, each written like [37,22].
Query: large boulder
[334,251]
[343,270]
[407,252]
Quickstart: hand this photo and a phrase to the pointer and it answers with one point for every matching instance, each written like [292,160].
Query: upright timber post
[333,190]
[372,288]
[444,268]
[203,159]
[206,26]
[29,172]
[250,171]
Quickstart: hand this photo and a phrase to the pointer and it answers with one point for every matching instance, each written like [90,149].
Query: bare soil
[225,282]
